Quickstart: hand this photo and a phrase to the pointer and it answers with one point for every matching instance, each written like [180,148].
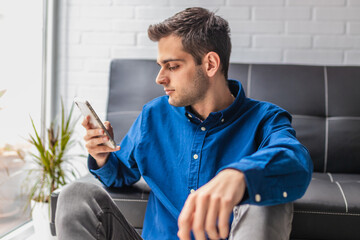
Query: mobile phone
[87,110]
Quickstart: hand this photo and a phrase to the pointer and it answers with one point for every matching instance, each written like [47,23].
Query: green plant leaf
[53,163]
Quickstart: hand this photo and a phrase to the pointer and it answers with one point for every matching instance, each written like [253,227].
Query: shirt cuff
[257,192]
[92,165]
[107,173]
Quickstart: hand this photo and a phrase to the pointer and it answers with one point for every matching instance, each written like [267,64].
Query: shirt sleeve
[280,170]
[120,168]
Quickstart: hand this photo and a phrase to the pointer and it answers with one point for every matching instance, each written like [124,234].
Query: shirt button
[222,120]
[189,115]
[196,156]
[203,129]
[236,211]
[257,198]
[285,194]
[192,190]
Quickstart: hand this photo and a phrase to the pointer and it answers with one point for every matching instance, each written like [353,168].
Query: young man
[204,149]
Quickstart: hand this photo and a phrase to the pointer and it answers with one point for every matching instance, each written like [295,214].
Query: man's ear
[211,63]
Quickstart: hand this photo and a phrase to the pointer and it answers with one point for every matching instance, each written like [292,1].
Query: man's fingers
[224,216]
[211,218]
[102,149]
[198,225]
[86,122]
[94,142]
[185,219]
[109,128]
[207,211]
[94,133]
[107,125]
[97,143]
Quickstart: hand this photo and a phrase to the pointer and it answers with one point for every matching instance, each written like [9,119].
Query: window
[20,76]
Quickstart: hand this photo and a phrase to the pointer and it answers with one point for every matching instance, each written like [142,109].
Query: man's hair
[201,32]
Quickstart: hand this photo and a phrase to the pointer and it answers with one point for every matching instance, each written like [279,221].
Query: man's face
[184,82]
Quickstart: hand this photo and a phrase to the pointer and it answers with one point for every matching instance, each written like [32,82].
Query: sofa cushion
[330,208]
[311,132]
[343,91]
[343,145]
[298,89]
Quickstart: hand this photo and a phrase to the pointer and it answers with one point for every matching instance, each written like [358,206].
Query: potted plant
[53,167]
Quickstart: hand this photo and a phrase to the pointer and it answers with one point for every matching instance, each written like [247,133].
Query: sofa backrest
[324,102]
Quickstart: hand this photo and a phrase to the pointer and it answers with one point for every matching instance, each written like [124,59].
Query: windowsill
[24,232]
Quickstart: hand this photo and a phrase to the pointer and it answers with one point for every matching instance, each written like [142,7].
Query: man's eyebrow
[171,60]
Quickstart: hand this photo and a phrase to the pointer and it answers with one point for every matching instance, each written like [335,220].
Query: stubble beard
[192,94]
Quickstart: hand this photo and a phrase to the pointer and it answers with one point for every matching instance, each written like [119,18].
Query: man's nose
[161,78]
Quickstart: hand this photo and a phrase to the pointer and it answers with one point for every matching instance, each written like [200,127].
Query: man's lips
[169,91]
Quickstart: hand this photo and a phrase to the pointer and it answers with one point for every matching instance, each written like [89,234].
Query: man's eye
[173,68]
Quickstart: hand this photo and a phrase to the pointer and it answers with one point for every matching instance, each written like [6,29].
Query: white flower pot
[41,220]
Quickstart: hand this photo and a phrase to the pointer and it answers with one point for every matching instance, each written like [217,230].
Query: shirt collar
[223,116]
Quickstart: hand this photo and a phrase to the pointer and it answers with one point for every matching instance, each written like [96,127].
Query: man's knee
[77,201]
[270,222]
[282,213]
[79,190]
[77,211]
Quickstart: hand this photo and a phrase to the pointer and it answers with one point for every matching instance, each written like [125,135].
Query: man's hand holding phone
[99,137]
[95,139]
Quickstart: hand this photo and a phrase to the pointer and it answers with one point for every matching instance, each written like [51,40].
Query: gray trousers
[86,211]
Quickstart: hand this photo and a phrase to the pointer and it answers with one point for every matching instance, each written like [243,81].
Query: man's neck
[218,98]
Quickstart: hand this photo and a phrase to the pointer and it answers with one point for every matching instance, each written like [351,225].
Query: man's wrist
[94,164]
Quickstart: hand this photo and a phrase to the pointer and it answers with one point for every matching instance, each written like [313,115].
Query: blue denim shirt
[175,152]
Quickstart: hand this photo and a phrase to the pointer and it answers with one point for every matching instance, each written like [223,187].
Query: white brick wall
[268,41]
[337,13]
[312,28]
[354,28]
[321,32]
[281,13]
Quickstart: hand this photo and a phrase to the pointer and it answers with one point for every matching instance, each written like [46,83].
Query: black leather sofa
[325,104]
